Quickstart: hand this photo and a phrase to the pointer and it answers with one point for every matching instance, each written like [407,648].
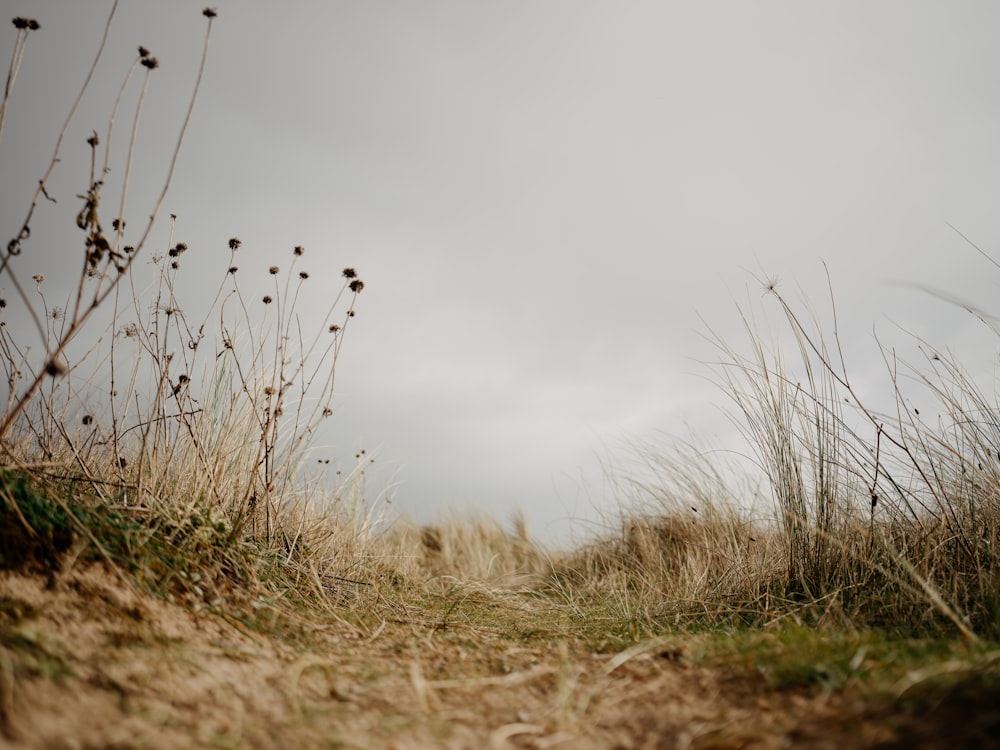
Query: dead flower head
[350,273]
[234,243]
[55,367]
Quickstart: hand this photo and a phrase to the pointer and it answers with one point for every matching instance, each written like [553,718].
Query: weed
[878,520]
[171,446]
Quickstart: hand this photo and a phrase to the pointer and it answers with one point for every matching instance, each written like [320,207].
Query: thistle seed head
[55,367]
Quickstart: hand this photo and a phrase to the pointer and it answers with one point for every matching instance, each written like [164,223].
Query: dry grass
[875,520]
[863,519]
[172,453]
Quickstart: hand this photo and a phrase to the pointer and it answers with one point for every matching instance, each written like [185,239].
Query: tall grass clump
[191,430]
[878,517]
[460,549]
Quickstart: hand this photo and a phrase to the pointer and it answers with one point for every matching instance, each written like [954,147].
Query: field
[173,573]
[246,648]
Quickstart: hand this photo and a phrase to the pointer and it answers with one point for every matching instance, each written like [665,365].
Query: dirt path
[87,663]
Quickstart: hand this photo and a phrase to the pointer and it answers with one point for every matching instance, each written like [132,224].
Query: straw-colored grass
[175,452]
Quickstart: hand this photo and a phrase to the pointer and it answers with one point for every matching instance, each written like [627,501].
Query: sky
[550,203]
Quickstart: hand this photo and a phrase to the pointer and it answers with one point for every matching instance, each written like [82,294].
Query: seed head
[350,273]
[151,62]
[117,224]
[38,278]
[26,23]
[55,367]
[272,270]
[334,328]
[143,52]
[88,419]
[268,391]
[298,250]
[356,286]
[233,269]
[210,12]
[303,275]
[267,299]
[234,243]
[94,141]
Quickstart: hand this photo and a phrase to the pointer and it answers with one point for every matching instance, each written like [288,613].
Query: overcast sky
[545,198]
